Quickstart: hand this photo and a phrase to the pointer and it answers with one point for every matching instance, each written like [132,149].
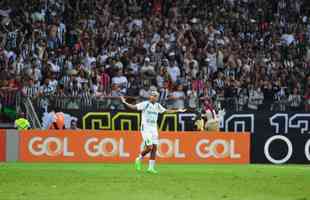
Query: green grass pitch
[120,181]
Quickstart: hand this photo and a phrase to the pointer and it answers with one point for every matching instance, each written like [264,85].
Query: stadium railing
[108,103]
[104,103]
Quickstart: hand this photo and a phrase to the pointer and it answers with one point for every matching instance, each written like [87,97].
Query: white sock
[139,157]
[151,164]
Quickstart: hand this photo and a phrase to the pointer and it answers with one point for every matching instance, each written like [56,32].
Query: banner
[281,149]
[2,145]
[232,122]
[281,138]
[284,129]
[130,121]
[123,147]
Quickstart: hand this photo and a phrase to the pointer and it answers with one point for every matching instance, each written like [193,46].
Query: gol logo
[51,146]
[216,148]
[107,147]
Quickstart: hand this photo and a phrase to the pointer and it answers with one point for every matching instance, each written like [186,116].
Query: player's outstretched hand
[123,99]
[181,110]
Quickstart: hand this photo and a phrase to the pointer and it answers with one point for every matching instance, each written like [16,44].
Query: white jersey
[150,113]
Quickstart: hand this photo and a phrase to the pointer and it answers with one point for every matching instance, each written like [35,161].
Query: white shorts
[150,137]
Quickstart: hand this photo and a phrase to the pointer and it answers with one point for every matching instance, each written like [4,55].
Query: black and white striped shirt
[60,100]
[163,97]
[86,98]
[65,80]
[219,83]
[294,100]
[32,91]
[230,72]
[60,61]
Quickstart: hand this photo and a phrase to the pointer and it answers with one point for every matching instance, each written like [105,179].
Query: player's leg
[147,148]
[152,159]
[138,162]
[147,140]
[151,168]
[153,152]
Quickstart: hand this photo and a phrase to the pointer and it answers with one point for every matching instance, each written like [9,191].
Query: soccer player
[150,110]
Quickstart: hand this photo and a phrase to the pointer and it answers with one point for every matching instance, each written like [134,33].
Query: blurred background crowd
[240,54]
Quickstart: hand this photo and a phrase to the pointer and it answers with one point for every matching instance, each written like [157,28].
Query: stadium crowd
[249,54]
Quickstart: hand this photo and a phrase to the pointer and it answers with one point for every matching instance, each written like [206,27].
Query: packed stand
[242,54]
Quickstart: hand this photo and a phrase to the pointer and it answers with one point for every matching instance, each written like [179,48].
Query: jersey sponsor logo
[152,113]
[151,121]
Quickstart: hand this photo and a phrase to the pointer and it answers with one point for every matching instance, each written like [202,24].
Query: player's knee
[149,147]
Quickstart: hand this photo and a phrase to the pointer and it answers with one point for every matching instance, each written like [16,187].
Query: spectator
[173,69]
[161,77]
[294,100]
[116,90]
[73,124]
[134,66]
[133,86]
[116,93]
[211,59]
[104,81]
[256,98]
[31,89]
[85,95]
[280,97]
[147,70]
[219,81]
[158,41]
[243,97]
[34,72]
[163,94]
[230,92]
[307,100]
[144,91]
[46,89]
[121,81]
[193,101]
[191,65]
[178,98]
[268,96]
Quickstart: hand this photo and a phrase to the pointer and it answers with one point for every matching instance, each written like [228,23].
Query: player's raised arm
[161,109]
[175,110]
[131,106]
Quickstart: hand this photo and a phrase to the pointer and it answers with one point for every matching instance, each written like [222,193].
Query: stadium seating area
[242,54]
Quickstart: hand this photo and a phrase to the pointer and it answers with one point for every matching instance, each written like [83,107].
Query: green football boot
[138,164]
[151,171]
